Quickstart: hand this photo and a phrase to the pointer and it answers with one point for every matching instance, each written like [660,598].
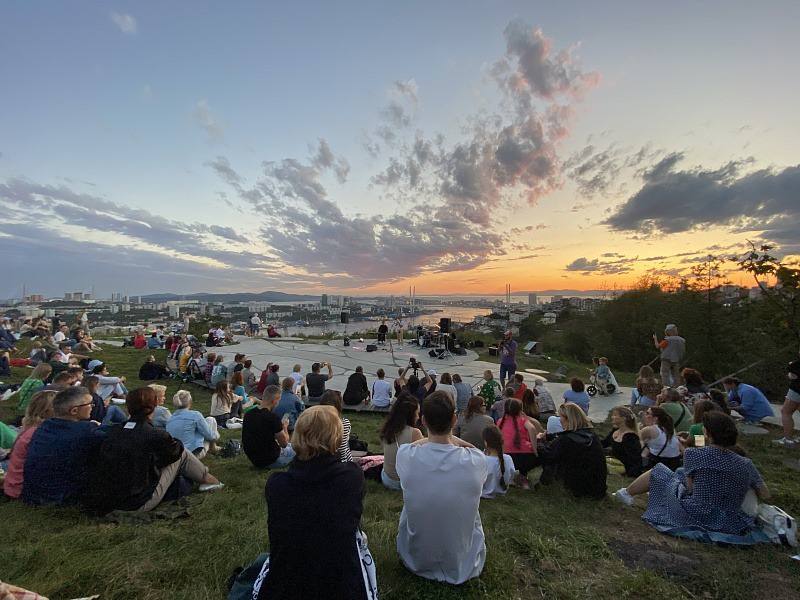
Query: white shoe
[622,495]
[7,394]
[785,442]
[210,487]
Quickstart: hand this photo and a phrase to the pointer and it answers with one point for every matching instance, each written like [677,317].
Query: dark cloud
[597,171]
[588,267]
[324,158]
[672,200]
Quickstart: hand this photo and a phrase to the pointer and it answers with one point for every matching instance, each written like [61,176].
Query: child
[501,467]
[225,405]
[489,389]
[602,372]
[219,372]
[499,407]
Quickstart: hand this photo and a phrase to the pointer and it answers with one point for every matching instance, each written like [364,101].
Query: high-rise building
[126,307]
[174,311]
[533,300]
[114,309]
[324,301]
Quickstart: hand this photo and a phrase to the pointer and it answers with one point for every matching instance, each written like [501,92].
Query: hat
[432,372]
[94,363]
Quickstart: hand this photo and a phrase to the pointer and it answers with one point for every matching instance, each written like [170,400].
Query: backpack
[357,444]
[231,449]
[779,527]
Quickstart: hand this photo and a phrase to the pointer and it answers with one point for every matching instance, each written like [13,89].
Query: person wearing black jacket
[623,441]
[575,456]
[313,513]
[138,466]
[357,390]
[151,370]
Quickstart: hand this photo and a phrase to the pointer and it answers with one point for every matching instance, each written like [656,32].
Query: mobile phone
[699,441]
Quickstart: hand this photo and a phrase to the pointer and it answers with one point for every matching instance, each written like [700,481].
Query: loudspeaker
[345,316]
[371,347]
[444,325]
[459,351]
[346,341]
[432,353]
[492,350]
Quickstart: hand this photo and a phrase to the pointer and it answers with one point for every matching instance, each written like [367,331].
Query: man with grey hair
[58,455]
[265,437]
[198,434]
[672,349]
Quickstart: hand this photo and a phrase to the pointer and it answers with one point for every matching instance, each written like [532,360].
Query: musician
[507,348]
[383,329]
[399,327]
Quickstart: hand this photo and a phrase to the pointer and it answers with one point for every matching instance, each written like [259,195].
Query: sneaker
[210,487]
[622,495]
[785,442]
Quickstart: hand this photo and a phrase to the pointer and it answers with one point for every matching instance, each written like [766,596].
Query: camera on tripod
[414,364]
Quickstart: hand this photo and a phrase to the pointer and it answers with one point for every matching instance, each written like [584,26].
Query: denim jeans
[507,372]
[390,483]
[287,455]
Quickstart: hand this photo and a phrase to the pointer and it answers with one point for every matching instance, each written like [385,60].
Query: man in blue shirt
[56,465]
[747,400]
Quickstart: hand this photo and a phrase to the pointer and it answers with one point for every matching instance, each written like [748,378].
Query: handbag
[357,444]
[778,525]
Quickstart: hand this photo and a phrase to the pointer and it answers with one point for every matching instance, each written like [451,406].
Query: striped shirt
[344,447]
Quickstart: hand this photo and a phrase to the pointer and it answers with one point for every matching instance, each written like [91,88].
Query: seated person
[139,341]
[225,404]
[544,400]
[471,424]
[659,442]
[138,466]
[400,427]
[33,384]
[575,456]
[357,391]
[152,371]
[671,401]
[161,414]
[519,439]
[518,383]
[219,372]
[622,442]
[315,381]
[265,436]
[198,434]
[708,492]
[501,465]
[334,398]
[313,515]
[38,410]
[110,387]
[289,404]
[602,372]
[440,535]
[577,394]
[272,331]
[153,343]
[103,411]
[237,385]
[381,391]
[196,367]
[747,400]
[38,354]
[55,469]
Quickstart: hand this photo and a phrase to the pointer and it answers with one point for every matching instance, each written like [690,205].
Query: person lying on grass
[708,492]
[440,534]
[138,466]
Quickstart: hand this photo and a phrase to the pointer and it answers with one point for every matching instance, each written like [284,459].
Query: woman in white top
[399,428]
[659,441]
[445,385]
[501,466]
[381,391]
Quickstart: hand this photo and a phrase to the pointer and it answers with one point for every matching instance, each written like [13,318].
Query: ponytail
[493,440]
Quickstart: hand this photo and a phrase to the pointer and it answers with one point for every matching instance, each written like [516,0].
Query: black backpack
[231,449]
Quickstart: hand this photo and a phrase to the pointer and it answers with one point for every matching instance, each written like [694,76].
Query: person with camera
[419,388]
[315,381]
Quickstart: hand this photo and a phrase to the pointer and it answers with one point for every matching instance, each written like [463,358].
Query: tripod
[443,347]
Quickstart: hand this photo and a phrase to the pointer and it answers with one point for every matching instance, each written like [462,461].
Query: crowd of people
[85,439]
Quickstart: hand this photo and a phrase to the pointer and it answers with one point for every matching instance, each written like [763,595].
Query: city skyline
[364,149]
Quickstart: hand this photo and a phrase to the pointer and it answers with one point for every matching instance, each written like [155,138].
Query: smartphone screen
[699,441]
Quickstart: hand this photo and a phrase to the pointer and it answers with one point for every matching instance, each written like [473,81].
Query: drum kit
[436,337]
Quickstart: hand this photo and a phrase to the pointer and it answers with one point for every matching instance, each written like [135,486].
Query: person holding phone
[265,436]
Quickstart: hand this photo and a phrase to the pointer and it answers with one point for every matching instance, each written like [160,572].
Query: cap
[432,372]
[94,363]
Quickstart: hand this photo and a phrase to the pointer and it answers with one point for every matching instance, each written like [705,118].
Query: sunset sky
[363,147]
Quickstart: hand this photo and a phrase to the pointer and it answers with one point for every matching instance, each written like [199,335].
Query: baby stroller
[605,385]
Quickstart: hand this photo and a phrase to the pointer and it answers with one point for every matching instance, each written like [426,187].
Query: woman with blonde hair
[647,388]
[198,434]
[161,415]
[313,514]
[33,384]
[39,409]
[575,455]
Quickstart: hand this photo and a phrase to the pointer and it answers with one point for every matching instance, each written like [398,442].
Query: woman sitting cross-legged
[472,422]
[623,442]
[707,493]
[198,434]
[138,466]
[575,455]
[399,428]
[313,515]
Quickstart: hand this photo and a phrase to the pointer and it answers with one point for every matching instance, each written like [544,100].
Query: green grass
[541,544]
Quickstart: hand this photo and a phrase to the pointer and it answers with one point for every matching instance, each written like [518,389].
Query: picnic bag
[779,526]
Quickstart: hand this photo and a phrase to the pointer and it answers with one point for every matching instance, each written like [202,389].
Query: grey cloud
[672,200]
[586,266]
[126,23]
[408,89]
[202,115]
[324,158]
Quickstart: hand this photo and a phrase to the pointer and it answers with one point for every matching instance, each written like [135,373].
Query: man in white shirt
[440,535]
[61,334]
[381,391]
